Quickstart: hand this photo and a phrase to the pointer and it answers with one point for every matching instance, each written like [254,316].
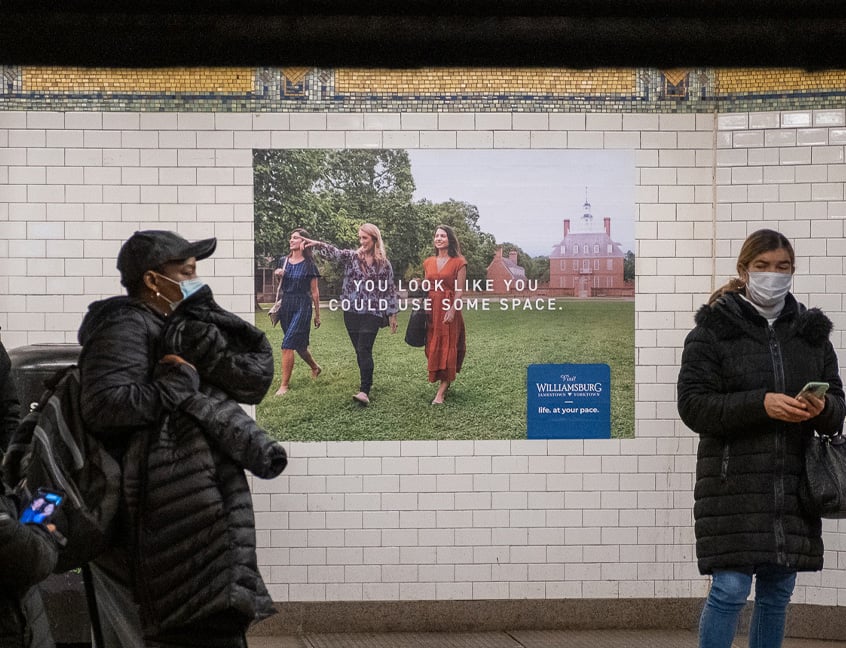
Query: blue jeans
[729,591]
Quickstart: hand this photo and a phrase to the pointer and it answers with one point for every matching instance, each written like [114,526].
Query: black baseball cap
[150,249]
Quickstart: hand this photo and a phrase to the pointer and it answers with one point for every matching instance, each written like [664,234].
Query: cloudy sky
[523,196]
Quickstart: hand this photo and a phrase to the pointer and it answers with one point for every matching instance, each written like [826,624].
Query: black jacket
[190,519]
[10,410]
[749,466]
[27,556]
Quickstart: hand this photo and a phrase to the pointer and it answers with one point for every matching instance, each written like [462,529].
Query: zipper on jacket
[778,362]
[779,450]
[724,464]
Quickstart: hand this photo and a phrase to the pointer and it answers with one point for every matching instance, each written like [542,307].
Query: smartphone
[813,388]
[43,505]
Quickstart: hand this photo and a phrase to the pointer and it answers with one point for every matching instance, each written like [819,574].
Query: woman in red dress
[446,272]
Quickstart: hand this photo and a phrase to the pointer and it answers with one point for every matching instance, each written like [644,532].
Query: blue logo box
[568,401]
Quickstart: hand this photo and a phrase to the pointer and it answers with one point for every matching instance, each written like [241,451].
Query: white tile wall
[447,519]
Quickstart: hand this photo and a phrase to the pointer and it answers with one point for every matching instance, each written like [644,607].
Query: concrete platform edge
[804,621]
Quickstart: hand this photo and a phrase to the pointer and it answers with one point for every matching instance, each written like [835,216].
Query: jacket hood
[731,316]
[101,311]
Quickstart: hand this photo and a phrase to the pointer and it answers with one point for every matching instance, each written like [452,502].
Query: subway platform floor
[513,639]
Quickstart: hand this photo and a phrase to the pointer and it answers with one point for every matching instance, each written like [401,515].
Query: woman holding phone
[753,349]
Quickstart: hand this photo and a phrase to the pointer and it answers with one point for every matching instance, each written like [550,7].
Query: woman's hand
[278,272]
[793,410]
[310,243]
[317,320]
[392,321]
[815,405]
[449,313]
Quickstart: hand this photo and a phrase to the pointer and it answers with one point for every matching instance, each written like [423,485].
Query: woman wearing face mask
[163,369]
[752,350]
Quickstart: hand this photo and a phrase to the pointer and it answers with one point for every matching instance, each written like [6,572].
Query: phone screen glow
[43,505]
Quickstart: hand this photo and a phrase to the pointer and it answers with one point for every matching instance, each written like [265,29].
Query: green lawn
[487,400]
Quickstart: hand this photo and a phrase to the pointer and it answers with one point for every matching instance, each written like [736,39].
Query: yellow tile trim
[486,81]
[137,80]
[752,80]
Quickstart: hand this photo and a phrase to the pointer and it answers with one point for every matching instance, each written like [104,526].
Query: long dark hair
[454,248]
[757,243]
[306,251]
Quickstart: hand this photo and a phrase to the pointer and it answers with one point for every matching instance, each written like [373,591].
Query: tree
[331,193]
[629,266]
[540,269]
[376,186]
[535,267]
[477,247]
[285,197]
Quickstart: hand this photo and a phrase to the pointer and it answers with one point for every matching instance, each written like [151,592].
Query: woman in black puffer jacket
[753,348]
[163,370]
[189,478]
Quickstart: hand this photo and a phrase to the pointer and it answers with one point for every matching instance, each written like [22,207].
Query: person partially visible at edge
[752,350]
[445,336]
[300,295]
[10,409]
[161,370]
[368,297]
[28,552]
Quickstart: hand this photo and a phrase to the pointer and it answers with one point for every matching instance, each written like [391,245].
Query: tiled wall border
[446,520]
[336,90]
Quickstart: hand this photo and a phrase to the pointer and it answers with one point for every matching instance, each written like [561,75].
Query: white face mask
[768,288]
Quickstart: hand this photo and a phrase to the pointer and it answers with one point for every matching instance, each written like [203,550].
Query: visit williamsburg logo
[568,387]
[568,401]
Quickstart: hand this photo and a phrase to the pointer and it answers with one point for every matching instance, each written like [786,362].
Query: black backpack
[52,449]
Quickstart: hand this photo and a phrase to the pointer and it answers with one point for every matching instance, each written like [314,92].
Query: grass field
[487,400]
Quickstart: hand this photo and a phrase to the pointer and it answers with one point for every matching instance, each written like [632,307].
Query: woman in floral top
[368,297]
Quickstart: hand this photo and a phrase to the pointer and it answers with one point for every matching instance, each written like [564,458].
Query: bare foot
[438,400]
[316,371]
[283,389]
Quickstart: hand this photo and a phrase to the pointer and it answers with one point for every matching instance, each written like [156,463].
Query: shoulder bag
[823,489]
[415,333]
[273,313]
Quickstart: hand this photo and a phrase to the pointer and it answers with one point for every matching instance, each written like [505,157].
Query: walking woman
[298,274]
[446,273]
[752,350]
[368,297]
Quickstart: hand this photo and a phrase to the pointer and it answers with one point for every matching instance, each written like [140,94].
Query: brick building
[587,262]
[504,271]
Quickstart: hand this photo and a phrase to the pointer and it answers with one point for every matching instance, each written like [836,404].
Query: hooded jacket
[190,528]
[749,466]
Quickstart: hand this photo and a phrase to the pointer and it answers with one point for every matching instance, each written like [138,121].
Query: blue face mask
[188,287]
